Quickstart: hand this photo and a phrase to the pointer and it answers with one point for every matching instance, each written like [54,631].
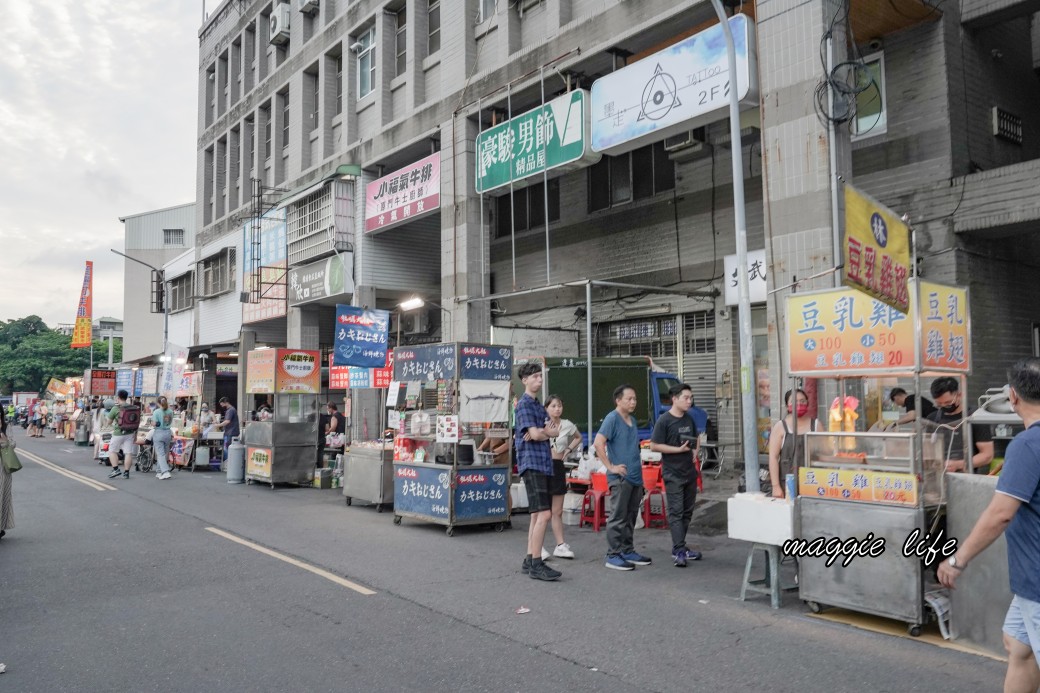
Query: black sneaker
[525,567]
[541,571]
[126,474]
[115,472]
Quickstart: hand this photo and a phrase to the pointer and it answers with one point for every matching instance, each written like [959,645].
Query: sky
[97,121]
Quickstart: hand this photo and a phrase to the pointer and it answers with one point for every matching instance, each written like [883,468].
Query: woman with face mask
[785,449]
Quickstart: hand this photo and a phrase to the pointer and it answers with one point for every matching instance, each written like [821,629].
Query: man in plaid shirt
[534,462]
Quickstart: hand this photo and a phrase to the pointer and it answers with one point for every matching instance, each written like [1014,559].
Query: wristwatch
[953,562]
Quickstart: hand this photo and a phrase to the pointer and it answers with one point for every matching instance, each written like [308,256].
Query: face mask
[803,409]
[950,408]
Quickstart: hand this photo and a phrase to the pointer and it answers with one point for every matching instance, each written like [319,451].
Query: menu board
[864,486]
[298,372]
[149,381]
[482,362]
[260,366]
[125,380]
[423,490]
[102,382]
[424,363]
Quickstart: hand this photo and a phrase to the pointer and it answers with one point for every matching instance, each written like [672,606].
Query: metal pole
[831,135]
[484,230]
[588,356]
[545,171]
[747,392]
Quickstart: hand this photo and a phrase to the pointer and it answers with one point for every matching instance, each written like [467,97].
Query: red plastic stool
[654,487]
[593,504]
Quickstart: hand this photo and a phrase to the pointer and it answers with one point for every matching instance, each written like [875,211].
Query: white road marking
[292,561]
[96,485]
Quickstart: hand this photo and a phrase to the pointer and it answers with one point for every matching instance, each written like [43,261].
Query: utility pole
[166,302]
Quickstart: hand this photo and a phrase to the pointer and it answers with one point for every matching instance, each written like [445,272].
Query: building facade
[311,109]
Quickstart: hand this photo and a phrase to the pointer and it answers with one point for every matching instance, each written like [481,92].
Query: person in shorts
[121,440]
[1014,512]
[534,462]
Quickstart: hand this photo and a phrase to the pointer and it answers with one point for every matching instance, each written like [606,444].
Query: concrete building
[303,105]
[152,238]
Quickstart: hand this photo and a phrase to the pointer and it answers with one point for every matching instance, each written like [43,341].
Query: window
[314,87]
[251,138]
[265,114]
[871,113]
[433,18]
[180,297]
[402,42]
[285,121]
[216,272]
[173,236]
[637,175]
[487,9]
[530,208]
[339,84]
[367,63]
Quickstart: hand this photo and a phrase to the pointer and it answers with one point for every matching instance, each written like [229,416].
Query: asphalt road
[130,590]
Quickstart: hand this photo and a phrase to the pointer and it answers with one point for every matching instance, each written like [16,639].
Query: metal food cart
[283,449]
[368,466]
[887,484]
[455,397]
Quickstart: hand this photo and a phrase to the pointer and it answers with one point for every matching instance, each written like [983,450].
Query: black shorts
[538,497]
[558,482]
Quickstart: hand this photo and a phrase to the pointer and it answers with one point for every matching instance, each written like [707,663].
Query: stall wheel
[349,500]
[814,607]
[913,630]
[500,527]
[379,507]
[249,482]
[450,531]
[397,519]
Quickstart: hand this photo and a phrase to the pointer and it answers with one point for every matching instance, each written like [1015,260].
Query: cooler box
[753,517]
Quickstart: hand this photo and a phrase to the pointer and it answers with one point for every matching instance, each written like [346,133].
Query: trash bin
[236,462]
[82,430]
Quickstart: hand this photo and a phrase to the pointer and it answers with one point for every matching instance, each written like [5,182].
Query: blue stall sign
[125,380]
[483,362]
[481,495]
[423,490]
[361,337]
[424,363]
[138,382]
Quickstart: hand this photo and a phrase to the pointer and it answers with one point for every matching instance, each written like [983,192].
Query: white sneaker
[563,551]
[164,475]
[545,554]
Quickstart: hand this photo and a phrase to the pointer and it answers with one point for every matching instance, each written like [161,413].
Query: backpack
[129,419]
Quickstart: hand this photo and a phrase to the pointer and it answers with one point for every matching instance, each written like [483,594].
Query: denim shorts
[1023,623]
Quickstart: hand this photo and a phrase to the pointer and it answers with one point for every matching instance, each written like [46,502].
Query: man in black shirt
[675,437]
[946,393]
[902,399]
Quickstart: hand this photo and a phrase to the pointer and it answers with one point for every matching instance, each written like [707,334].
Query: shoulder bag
[8,456]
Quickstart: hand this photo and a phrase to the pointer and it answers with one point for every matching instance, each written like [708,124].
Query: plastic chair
[593,504]
[654,485]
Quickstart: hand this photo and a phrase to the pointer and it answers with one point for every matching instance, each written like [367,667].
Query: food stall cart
[449,398]
[368,469]
[284,448]
[887,484]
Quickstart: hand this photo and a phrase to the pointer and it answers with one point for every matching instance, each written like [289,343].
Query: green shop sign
[553,138]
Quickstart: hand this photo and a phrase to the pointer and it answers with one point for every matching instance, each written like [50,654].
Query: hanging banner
[361,337]
[57,388]
[756,273]
[339,376]
[149,378]
[298,371]
[875,250]
[82,331]
[404,195]
[172,370]
[945,328]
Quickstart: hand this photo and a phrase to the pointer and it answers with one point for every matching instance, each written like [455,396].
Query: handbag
[8,456]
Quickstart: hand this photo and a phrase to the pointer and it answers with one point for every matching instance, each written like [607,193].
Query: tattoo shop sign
[405,195]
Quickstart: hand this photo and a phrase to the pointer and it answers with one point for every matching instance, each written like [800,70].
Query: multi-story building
[936,115]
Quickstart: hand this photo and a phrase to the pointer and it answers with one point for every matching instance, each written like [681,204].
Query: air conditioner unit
[683,140]
[280,23]
[417,322]
[307,6]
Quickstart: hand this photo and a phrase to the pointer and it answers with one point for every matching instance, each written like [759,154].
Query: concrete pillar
[246,343]
[302,328]
[795,157]
[463,269]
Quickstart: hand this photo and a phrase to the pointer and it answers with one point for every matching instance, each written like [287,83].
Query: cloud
[97,121]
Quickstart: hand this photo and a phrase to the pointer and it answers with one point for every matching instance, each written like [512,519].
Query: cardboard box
[753,517]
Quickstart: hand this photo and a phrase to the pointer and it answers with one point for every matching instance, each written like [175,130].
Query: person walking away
[126,419]
[229,425]
[44,412]
[162,436]
[617,444]
[34,418]
[562,446]
[6,500]
[534,462]
[675,437]
[1015,512]
[947,396]
[787,440]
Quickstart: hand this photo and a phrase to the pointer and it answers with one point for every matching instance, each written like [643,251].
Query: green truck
[568,378]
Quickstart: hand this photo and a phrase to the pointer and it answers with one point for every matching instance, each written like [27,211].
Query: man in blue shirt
[617,445]
[1015,511]
[534,462]
[229,425]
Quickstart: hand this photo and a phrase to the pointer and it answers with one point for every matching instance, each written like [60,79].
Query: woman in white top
[563,446]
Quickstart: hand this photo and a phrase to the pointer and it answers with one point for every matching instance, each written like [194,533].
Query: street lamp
[166,303]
